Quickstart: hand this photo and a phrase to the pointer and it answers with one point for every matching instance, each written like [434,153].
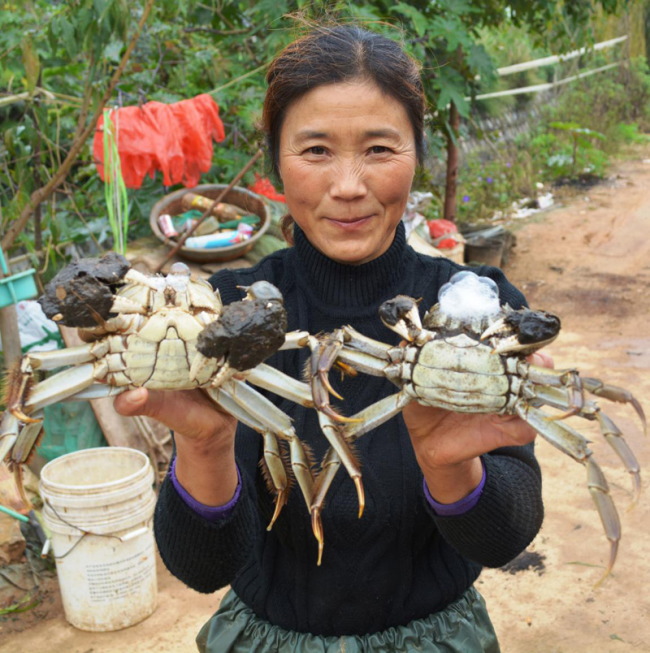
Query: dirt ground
[588,260]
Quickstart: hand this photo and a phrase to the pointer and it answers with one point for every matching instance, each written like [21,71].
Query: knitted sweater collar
[350,285]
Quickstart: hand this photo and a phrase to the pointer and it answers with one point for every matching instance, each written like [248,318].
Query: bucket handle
[136,533]
[122,538]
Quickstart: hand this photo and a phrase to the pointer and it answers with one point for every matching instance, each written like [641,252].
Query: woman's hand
[447,445]
[188,412]
[204,437]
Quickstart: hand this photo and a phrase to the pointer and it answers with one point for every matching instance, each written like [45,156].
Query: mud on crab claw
[162,332]
[475,364]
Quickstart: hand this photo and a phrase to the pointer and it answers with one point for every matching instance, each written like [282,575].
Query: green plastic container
[16,287]
[70,426]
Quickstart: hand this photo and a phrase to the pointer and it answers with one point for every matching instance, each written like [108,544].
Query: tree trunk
[10,335]
[451,183]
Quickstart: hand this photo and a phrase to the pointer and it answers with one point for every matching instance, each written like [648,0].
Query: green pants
[463,627]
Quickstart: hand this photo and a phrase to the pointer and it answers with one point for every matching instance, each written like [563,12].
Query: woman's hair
[341,53]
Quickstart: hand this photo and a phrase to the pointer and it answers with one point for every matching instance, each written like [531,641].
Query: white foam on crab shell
[467,296]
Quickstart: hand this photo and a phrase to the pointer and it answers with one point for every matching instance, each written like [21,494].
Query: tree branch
[41,194]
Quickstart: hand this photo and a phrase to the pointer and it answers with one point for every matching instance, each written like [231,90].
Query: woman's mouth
[351,221]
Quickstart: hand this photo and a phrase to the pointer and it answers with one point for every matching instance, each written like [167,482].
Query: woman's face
[347,159]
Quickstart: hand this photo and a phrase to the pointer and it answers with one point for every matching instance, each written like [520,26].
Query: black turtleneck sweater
[400,561]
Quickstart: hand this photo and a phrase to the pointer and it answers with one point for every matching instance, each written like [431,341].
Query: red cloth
[173,138]
[440,228]
[263,186]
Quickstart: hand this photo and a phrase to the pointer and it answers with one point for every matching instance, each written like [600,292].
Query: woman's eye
[379,149]
[316,149]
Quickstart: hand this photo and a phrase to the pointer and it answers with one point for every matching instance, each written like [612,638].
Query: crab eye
[262,290]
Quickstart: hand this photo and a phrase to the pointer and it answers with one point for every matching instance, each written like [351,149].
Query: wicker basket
[248,201]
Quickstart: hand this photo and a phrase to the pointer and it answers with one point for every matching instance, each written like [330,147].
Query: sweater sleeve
[508,514]
[204,554]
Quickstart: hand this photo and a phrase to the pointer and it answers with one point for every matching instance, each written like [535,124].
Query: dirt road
[589,261]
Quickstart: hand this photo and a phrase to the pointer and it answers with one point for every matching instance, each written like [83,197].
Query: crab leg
[8,433]
[557,379]
[568,380]
[572,443]
[372,348]
[297,340]
[253,409]
[58,387]
[614,437]
[555,398]
[21,390]
[614,393]
[339,443]
[329,467]
[20,446]
[50,360]
[340,437]
[368,356]
[267,377]
[275,467]
[24,442]
[97,391]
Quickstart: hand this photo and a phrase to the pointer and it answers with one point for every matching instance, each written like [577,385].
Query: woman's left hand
[448,445]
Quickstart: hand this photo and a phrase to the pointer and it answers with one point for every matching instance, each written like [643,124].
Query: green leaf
[113,51]
[564,126]
[64,34]
[452,89]
[102,7]
[481,64]
[420,23]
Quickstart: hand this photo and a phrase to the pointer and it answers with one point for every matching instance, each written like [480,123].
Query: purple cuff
[459,507]
[211,513]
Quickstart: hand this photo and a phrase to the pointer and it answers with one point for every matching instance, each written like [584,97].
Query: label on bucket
[106,584]
[114,579]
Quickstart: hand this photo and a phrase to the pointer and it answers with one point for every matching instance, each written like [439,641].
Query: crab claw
[81,294]
[323,358]
[529,331]
[248,331]
[401,315]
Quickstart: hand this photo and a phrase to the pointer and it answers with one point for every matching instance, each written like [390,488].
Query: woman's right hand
[204,437]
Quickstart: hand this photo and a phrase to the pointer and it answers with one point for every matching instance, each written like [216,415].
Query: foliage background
[57,56]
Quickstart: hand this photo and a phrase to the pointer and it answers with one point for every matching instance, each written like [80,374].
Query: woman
[445,493]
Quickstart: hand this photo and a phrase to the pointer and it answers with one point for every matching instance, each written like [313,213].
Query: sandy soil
[588,260]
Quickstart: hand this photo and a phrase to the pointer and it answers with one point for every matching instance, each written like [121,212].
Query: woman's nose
[348,181]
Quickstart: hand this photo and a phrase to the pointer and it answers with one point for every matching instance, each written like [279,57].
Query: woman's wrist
[461,506]
[211,513]
[206,468]
[449,484]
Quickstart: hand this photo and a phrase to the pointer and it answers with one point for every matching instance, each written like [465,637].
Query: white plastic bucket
[98,507]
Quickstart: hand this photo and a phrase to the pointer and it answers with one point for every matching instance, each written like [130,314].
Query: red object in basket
[173,138]
[440,228]
[263,186]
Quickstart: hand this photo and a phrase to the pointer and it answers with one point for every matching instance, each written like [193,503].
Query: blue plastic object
[16,287]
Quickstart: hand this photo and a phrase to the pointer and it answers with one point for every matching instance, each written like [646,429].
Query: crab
[162,332]
[472,364]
